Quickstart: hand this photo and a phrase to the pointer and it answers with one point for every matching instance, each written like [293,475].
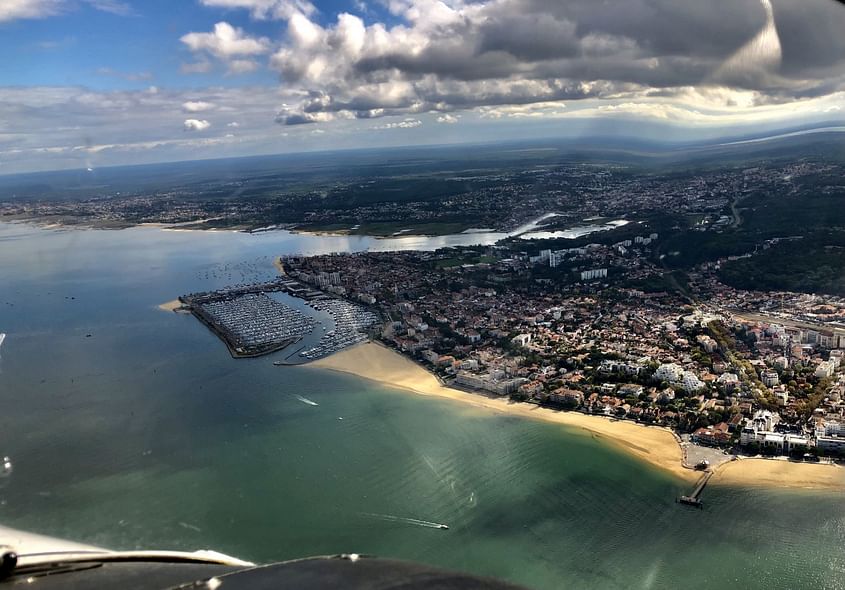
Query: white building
[707,343]
[469,365]
[781,362]
[492,382]
[675,375]
[769,378]
[596,273]
[825,369]
[611,366]
[760,430]
[522,339]
[691,382]
[669,372]
[781,394]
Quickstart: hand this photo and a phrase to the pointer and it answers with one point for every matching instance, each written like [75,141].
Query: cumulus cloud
[197,106]
[289,116]
[447,118]
[233,124]
[195,125]
[228,44]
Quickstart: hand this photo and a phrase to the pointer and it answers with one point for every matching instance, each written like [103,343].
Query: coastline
[654,445]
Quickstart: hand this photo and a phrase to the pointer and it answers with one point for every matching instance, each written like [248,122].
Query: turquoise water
[147,434]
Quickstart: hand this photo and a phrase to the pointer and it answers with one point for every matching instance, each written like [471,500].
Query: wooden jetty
[694,499]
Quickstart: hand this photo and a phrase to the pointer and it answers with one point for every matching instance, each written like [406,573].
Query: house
[713,435]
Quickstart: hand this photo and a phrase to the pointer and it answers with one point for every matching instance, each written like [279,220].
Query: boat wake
[190,527]
[305,400]
[404,520]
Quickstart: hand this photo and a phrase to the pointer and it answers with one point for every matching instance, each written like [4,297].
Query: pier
[694,499]
[285,284]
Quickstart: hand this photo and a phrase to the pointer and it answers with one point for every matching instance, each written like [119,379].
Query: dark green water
[147,434]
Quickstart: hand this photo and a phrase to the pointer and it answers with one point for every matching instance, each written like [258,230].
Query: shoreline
[655,445]
[652,444]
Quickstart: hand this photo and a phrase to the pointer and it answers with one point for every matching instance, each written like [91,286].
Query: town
[728,368]
[428,202]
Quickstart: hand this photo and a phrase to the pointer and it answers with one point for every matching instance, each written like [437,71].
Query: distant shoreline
[654,445]
[77,223]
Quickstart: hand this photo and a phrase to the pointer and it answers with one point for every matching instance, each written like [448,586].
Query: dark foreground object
[341,571]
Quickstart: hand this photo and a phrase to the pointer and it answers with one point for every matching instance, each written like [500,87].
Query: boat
[2,338]
[278,363]
[444,526]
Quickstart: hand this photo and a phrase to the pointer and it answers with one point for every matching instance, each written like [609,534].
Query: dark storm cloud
[812,33]
[445,56]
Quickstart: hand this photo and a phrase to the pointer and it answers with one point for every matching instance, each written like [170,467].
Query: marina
[253,323]
[350,320]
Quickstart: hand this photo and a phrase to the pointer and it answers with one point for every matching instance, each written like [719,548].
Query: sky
[90,83]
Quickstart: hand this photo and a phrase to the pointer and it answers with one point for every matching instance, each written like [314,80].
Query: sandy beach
[780,473]
[656,446]
[171,305]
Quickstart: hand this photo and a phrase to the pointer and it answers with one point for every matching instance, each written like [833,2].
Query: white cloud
[265,9]
[197,106]
[228,44]
[30,9]
[113,6]
[447,118]
[233,124]
[288,116]
[18,9]
[196,125]
[404,124]
[70,127]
